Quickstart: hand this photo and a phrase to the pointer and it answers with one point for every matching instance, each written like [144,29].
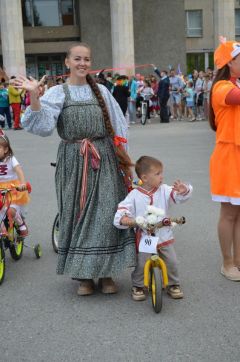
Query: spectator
[199,95]
[207,85]
[189,93]
[15,101]
[4,107]
[176,87]
[59,80]
[146,95]
[132,100]
[155,104]
[102,80]
[121,93]
[163,94]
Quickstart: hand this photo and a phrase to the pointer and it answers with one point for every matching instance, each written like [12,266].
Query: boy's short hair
[144,163]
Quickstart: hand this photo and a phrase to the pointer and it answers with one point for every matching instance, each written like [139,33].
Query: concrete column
[224,20]
[122,35]
[206,60]
[12,37]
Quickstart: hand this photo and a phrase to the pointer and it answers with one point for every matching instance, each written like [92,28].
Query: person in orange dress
[224,118]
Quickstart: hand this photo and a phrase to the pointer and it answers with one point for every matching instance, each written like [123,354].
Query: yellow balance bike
[155,269]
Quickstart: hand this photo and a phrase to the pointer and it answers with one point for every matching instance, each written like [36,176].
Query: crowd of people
[170,95]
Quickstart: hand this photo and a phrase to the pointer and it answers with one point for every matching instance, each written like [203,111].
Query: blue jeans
[5,111]
[132,111]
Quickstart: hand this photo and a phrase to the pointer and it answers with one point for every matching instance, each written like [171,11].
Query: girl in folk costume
[224,116]
[11,174]
[89,181]
[152,192]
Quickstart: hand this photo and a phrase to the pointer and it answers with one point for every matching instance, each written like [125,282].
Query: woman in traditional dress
[89,179]
[225,160]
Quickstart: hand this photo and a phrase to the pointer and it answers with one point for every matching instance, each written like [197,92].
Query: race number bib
[148,244]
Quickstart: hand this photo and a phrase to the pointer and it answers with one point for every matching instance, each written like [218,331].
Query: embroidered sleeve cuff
[122,211]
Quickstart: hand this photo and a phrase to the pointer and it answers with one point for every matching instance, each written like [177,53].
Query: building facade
[35,34]
[121,33]
[205,20]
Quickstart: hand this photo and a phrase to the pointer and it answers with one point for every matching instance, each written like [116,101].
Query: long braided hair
[124,160]
[222,74]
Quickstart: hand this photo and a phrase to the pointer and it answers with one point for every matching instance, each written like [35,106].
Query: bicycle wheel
[55,232]
[156,283]
[2,263]
[144,113]
[38,251]
[15,243]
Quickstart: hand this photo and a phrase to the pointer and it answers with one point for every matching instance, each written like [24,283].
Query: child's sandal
[138,294]
[22,230]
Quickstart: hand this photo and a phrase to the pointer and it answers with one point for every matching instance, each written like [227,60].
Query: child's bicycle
[9,238]
[155,270]
[144,107]
[142,111]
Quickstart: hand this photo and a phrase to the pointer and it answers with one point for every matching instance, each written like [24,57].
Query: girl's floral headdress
[225,52]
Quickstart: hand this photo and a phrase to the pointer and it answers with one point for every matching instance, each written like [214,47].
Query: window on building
[237,22]
[195,61]
[26,13]
[67,12]
[194,23]
[48,12]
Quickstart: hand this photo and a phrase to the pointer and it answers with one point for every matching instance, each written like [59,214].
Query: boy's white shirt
[136,202]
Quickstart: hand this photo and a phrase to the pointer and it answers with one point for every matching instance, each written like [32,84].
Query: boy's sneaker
[175,291]
[138,294]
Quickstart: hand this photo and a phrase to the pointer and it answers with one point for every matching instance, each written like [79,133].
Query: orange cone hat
[225,52]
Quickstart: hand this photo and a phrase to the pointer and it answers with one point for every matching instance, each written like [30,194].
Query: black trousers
[164,113]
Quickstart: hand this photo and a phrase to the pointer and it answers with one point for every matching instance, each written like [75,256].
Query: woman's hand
[180,187]
[29,84]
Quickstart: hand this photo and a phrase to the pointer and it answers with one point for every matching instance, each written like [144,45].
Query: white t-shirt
[7,172]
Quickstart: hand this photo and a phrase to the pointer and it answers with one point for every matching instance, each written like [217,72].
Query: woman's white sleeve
[117,118]
[125,208]
[43,122]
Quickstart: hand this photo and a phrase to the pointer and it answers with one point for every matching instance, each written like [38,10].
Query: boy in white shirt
[152,192]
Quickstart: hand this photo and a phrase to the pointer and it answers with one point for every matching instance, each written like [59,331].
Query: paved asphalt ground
[42,318]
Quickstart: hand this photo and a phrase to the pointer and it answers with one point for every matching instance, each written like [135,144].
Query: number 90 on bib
[148,244]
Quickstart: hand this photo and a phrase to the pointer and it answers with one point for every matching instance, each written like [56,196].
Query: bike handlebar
[17,188]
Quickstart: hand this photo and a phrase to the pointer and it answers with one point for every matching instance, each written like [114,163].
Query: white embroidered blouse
[43,122]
